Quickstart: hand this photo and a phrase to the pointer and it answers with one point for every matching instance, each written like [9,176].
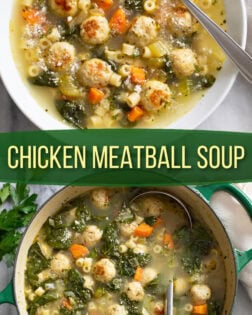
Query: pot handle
[242,258]
[7,295]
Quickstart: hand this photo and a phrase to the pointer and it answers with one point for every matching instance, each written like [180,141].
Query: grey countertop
[234,114]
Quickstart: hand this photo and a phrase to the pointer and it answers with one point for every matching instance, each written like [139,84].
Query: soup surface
[110,63]
[99,256]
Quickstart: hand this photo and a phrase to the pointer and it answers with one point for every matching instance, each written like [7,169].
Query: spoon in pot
[169,293]
[240,57]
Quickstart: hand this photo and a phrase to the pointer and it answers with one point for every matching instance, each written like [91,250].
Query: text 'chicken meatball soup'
[115,63]
[97,256]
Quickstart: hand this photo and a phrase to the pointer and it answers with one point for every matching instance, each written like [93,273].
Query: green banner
[125,157]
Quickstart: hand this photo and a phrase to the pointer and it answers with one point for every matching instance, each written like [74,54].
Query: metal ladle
[240,57]
[169,292]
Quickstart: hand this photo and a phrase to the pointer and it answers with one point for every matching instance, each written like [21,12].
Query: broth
[98,256]
[149,75]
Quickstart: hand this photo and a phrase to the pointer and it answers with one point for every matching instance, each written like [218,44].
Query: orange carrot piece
[143,230]
[118,22]
[78,251]
[137,75]
[33,16]
[105,5]
[168,241]
[95,96]
[66,303]
[138,274]
[200,309]
[135,114]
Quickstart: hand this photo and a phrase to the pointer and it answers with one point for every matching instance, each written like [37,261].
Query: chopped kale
[75,284]
[115,285]
[199,82]
[46,78]
[133,307]
[151,220]
[73,112]
[36,263]
[83,215]
[126,215]
[59,238]
[48,297]
[134,5]
[110,240]
[197,242]
[214,308]
[129,261]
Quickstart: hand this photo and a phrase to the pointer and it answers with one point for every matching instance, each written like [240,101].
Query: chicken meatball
[117,309]
[89,282]
[95,73]
[101,198]
[60,262]
[143,31]
[155,95]
[127,229]
[152,206]
[183,62]
[180,22]
[61,56]
[134,291]
[64,8]
[95,30]
[200,293]
[181,286]
[104,270]
[92,235]
[149,274]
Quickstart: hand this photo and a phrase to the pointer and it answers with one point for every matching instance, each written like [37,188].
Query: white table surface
[234,114]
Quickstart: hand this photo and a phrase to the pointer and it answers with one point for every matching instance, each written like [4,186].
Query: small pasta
[123,248]
[31,55]
[147,52]
[96,121]
[133,99]
[87,265]
[150,6]
[79,262]
[34,71]
[125,70]
[45,43]
[157,249]
[115,79]
[117,114]
[188,307]
[40,291]
[128,49]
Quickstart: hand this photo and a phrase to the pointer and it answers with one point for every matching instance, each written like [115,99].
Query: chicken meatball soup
[101,256]
[112,63]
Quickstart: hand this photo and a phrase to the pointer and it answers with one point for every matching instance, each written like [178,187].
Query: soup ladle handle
[239,56]
[169,299]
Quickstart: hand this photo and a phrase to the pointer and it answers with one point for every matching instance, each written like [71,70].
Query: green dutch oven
[197,199]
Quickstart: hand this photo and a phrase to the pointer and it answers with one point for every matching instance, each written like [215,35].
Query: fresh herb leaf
[73,112]
[115,285]
[150,220]
[83,215]
[22,209]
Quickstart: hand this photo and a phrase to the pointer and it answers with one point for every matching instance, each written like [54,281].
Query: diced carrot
[143,230]
[168,241]
[105,5]
[158,222]
[200,309]
[138,274]
[135,114]
[95,96]
[66,303]
[118,22]
[137,75]
[78,251]
[33,16]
